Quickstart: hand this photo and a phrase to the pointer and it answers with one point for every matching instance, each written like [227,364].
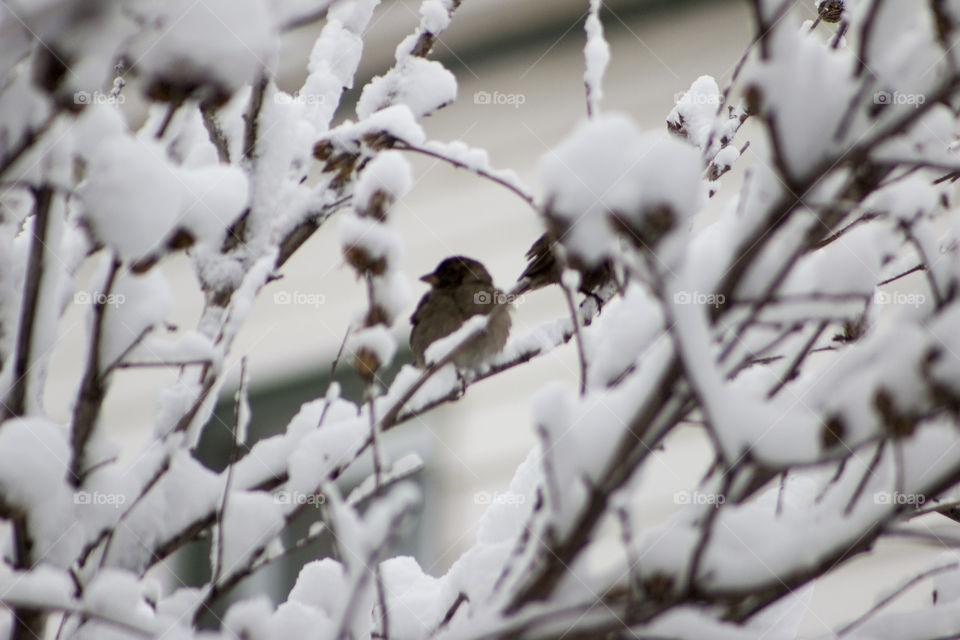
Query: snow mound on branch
[388,172]
[608,169]
[222,42]
[422,85]
[134,195]
[696,109]
[34,465]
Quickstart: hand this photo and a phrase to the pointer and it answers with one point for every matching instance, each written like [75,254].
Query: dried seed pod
[376,315]
[367,364]
[833,432]
[361,260]
[898,424]
[379,140]
[181,239]
[646,229]
[752,100]
[658,587]
[376,206]
[323,150]
[853,330]
[830,11]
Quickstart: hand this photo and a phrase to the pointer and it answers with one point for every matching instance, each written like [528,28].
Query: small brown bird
[542,271]
[460,289]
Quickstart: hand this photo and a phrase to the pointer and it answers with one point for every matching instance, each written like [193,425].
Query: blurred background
[531,52]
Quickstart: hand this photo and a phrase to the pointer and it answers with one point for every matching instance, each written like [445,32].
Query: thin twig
[919,267]
[231,465]
[382,599]
[92,386]
[403,145]
[798,360]
[217,136]
[577,337]
[16,401]
[924,260]
[706,528]
[866,477]
[836,477]
[451,611]
[27,140]
[896,594]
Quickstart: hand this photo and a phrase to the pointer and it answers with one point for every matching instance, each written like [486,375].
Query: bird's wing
[541,265]
[417,316]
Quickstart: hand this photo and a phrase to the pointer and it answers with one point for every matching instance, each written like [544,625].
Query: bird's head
[456,271]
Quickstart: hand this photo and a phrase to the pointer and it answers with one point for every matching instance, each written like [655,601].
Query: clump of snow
[695,111]
[379,241]
[441,348]
[133,196]
[435,15]
[214,197]
[596,55]
[607,172]
[135,304]
[422,85]
[393,293]
[250,520]
[250,619]
[376,340]
[34,454]
[415,602]
[117,595]
[225,43]
[389,172]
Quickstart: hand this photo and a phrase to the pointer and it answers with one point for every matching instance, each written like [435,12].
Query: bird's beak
[430,279]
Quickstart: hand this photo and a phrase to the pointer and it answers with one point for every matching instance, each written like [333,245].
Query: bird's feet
[461,385]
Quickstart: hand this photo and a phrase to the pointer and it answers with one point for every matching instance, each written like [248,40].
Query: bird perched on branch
[460,289]
[543,270]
